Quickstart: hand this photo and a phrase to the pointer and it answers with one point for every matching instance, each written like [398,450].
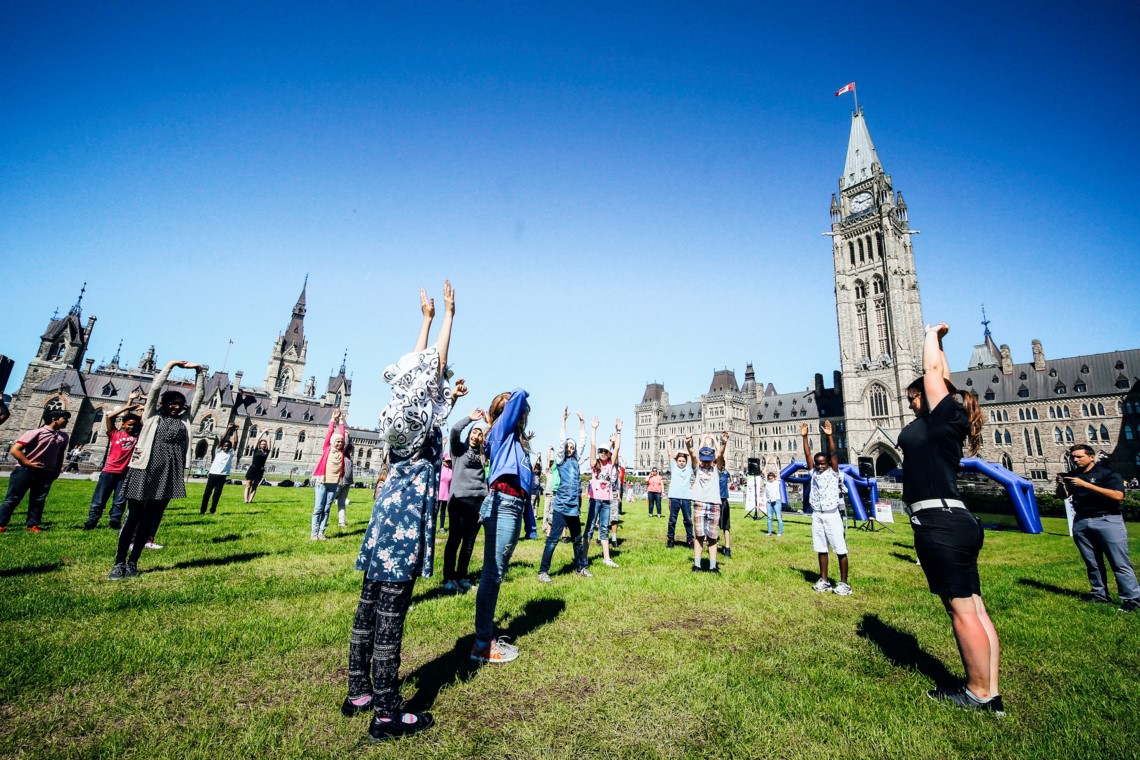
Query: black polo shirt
[1087,503]
[932,451]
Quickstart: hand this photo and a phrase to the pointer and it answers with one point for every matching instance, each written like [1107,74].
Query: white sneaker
[152,545]
[843,589]
[609,563]
[821,585]
[451,586]
[313,537]
[545,578]
[585,573]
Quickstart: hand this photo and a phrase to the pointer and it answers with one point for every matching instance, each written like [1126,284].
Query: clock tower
[877,302]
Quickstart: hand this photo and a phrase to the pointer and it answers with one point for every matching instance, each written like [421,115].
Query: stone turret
[1038,356]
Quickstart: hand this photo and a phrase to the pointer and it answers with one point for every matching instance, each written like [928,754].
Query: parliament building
[1034,410]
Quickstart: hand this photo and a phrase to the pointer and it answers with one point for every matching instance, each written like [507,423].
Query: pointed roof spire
[300,307]
[76,310]
[985,322]
[343,361]
[861,155]
[119,350]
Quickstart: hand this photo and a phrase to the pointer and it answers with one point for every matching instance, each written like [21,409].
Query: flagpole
[227,359]
[855,92]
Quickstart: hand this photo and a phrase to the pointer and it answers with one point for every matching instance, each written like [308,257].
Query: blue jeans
[1106,536]
[778,508]
[654,499]
[684,506]
[598,520]
[20,482]
[322,504]
[573,524]
[109,483]
[500,515]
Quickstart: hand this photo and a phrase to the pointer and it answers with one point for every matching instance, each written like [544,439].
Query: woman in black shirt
[947,537]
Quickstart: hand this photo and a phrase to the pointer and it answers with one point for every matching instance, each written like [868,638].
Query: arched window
[861,326]
[1085,409]
[861,258]
[1128,432]
[1006,462]
[1034,411]
[55,405]
[206,426]
[56,351]
[301,437]
[1091,433]
[879,245]
[1100,410]
[1004,415]
[878,398]
[1052,413]
[1104,433]
[997,437]
[279,434]
[883,329]
[851,252]
[1021,414]
[1008,439]
[1037,442]
[1068,435]
[1057,437]
[877,285]
[98,416]
[1066,408]
[1028,448]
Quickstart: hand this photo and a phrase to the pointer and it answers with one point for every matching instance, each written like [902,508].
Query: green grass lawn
[233,643]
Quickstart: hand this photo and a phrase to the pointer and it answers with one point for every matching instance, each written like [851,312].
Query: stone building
[1034,411]
[292,417]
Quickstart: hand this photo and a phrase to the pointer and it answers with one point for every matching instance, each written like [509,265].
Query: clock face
[860,202]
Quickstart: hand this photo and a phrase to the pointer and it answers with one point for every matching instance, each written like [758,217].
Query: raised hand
[941,328]
[448,297]
[581,418]
[427,305]
[825,426]
[594,424]
[689,441]
[566,414]
[477,415]
[724,437]
[617,425]
[460,389]
[803,428]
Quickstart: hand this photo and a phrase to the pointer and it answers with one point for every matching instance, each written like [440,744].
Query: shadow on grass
[225,539]
[1049,587]
[811,576]
[909,558]
[456,665]
[210,561]
[901,545]
[16,572]
[902,650]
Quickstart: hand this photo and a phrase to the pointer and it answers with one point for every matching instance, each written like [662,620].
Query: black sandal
[380,731]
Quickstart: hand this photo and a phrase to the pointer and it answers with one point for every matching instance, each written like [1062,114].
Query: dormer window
[109,389]
[1122,382]
[1060,389]
[969,381]
[1023,392]
[989,395]
[994,379]
[1052,373]
[1023,376]
[1119,364]
[1084,369]
[1079,387]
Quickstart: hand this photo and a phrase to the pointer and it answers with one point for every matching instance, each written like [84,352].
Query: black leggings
[377,637]
[143,516]
[461,538]
[440,514]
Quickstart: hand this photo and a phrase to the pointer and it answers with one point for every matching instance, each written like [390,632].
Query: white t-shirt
[706,485]
[826,490]
[772,491]
[222,461]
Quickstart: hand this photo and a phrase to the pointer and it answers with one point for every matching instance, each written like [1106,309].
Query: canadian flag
[845,88]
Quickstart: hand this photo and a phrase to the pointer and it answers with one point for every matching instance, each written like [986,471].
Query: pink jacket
[320,471]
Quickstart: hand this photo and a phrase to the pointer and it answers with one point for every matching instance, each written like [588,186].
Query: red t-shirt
[119,451]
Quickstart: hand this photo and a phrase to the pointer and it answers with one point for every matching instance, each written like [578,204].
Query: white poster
[883,512]
[1070,513]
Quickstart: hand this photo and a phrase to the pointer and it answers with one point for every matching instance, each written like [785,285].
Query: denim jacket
[508,457]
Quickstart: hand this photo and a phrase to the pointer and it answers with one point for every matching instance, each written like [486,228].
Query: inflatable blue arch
[1019,490]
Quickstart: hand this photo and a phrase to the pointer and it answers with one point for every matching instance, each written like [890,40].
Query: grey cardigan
[469,478]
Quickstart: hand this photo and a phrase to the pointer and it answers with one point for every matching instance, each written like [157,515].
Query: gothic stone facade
[1034,411]
[292,419]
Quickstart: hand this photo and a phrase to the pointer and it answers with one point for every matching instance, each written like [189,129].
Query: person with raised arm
[327,475]
[121,440]
[219,470]
[826,497]
[706,498]
[567,501]
[256,472]
[468,489]
[156,472]
[512,481]
[399,542]
[603,486]
[947,537]
[680,485]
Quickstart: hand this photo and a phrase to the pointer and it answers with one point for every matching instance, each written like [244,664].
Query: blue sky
[618,195]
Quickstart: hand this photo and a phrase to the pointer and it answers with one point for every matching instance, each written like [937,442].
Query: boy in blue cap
[706,499]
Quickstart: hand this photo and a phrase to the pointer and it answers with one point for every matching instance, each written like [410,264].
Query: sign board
[883,512]
[1070,514]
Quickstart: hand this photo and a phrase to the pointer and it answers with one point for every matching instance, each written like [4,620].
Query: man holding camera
[1098,526]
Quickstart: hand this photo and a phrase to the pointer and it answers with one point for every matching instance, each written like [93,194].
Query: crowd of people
[483,475]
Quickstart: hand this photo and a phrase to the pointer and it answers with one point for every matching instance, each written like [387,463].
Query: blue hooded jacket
[508,457]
